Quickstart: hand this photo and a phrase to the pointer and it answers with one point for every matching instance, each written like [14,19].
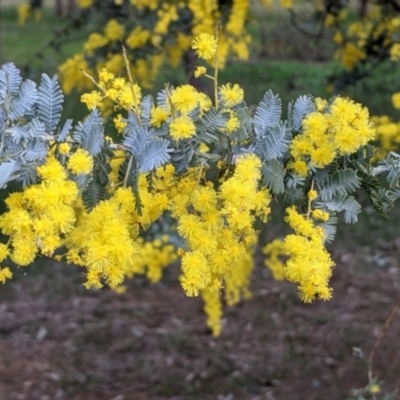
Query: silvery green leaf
[155,154]
[303,106]
[268,112]
[50,102]
[10,80]
[146,106]
[24,101]
[348,204]
[89,134]
[62,136]
[341,182]
[7,170]
[273,175]
[35,150]
[208,127]
[273,142]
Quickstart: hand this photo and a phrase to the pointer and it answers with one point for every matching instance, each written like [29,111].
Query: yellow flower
[185,98]
[64,148]
[233,123]
[231,95]
[52,170]
[299,167]
[320,215]
[3,252]
[199,71]
[113,30]
[312,195]
[396,100]
[205,46]
[84,3]
[92,99]
[5,273]
[80,162]
[286,4]
[105,75]
[374,388]
[182,128]
[119,123]
[24,12]
[158,116]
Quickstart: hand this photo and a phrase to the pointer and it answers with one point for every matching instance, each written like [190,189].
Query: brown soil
[59,341]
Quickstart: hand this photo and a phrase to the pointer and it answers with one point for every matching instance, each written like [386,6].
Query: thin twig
[93,80]
[378,341]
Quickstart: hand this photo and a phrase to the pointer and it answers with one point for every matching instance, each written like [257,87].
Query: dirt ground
[60,341]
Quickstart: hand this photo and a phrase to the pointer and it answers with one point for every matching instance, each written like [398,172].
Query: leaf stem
[309,201]
[128,170]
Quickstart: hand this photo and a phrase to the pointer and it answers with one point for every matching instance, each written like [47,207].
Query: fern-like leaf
[7,170]
[50,102]
[145,109]
[273,175]
[62,136]
[268,112]
[10,80]
[154,155]
[35,151]
[348,204]
[208,126]
[25,100]
[273,143]
[341,182]
[89,134]
[27,174]
[301,107]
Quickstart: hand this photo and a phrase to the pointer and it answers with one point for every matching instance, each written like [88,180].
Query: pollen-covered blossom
[92,100]
[338,129]
[273,251]
[182,128]
[81,162]
[119,123]
[309,264]
[64,148]
[5,273]
[231,95]
[158,116]
[41,215]
[85,3]
[396,100]
[233,123]
[105,76]
[213,309]
[185,98]
[113,30]
[199,71]
[205,46]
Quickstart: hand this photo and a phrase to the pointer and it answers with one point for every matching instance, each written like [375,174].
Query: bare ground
[59,341]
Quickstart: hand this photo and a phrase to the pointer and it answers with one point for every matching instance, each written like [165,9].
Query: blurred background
[61,341]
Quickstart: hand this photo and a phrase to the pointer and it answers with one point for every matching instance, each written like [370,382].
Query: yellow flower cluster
[340,129]
[355,40]
[116,91]
[273,252]
[309,264]
[388,135]
[42,215]
[112,250]
[217,226]
[150,41]
[152,257]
